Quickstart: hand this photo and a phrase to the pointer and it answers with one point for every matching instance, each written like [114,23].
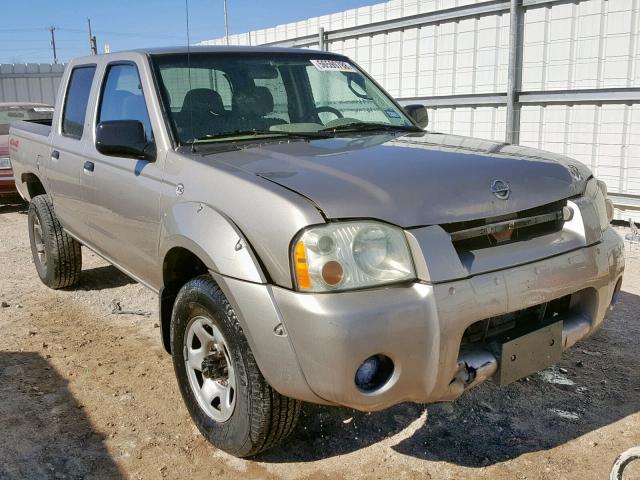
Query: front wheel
[228,399]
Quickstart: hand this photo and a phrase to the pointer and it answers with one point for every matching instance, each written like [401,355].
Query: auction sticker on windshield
[392,113]
[333,66]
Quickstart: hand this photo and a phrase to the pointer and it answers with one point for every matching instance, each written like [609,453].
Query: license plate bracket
[530,353]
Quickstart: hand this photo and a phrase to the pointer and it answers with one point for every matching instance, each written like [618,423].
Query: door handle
[55,155]
[88,166]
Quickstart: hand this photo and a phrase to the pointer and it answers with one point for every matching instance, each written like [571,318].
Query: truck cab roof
[204,49]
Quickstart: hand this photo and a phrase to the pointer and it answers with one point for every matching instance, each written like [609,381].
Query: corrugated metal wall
[454,57]
[32,82]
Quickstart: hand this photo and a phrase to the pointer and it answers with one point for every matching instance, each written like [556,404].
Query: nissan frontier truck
[309,239]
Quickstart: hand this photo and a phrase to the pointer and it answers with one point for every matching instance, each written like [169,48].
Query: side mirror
[418,113]
[123,138]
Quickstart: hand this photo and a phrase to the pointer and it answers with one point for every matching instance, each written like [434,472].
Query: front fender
[211,236]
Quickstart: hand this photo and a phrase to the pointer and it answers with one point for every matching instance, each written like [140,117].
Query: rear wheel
[228,399]
[57,256]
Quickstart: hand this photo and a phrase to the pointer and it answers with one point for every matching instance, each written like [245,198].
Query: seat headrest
[257,101]
[202,99]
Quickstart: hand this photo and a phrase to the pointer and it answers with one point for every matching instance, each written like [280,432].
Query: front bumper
[309,346]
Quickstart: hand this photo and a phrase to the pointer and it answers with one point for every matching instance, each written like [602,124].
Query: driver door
[125,199]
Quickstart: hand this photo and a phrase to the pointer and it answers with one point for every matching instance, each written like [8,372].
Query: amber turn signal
[301,267]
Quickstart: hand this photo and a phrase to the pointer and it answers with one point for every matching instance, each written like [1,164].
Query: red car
[9,113]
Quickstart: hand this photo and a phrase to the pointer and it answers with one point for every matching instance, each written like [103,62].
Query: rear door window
[76,100]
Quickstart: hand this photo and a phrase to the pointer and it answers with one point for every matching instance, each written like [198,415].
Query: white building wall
[586,44]
[32,82]
[590,44]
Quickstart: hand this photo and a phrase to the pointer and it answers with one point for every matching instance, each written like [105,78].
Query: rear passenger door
[124,212]
[65,164]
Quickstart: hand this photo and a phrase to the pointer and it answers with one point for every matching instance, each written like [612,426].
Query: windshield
[215,95]
[13,113]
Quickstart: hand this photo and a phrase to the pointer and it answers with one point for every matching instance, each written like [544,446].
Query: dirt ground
[85,393]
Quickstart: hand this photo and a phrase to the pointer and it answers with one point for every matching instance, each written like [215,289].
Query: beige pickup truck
[308,238]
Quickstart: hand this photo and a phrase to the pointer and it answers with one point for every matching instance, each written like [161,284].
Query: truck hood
[413,179]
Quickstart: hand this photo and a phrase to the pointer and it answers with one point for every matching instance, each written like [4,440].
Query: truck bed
[35,127]
[28,145]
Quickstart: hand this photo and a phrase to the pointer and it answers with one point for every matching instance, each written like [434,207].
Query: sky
[125,24]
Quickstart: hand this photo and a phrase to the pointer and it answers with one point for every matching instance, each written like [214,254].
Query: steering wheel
[329,109]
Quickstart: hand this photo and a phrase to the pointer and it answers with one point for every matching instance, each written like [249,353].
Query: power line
[44,41]
[122,34]
[21,49]
[77,31]
[15,30]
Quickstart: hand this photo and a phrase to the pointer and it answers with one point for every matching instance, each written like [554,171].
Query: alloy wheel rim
[209,368]
[39,242]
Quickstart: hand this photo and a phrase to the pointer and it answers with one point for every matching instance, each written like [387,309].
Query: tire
[259,417]
[57,256]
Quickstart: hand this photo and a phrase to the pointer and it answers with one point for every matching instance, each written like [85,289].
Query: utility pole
[93,45]
[514,77]
[226,24]
[53,44]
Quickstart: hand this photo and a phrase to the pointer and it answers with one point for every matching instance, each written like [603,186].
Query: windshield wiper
[368,126]
[256,133]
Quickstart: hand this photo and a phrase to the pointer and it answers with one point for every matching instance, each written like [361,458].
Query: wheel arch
[196,239]
[214,238]
[179,265]
[33,185]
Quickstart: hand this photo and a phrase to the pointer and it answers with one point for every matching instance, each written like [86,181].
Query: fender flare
[212,237]
[23,184]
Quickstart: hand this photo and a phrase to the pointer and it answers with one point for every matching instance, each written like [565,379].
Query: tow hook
[474,367]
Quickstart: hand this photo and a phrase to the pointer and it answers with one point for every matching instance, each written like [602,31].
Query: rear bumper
[321,339]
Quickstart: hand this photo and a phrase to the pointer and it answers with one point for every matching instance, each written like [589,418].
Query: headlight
[4,163]
[597,191]
[350,255]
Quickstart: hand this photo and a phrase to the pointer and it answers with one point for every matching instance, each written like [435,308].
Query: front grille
[511,325]
[515,227]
